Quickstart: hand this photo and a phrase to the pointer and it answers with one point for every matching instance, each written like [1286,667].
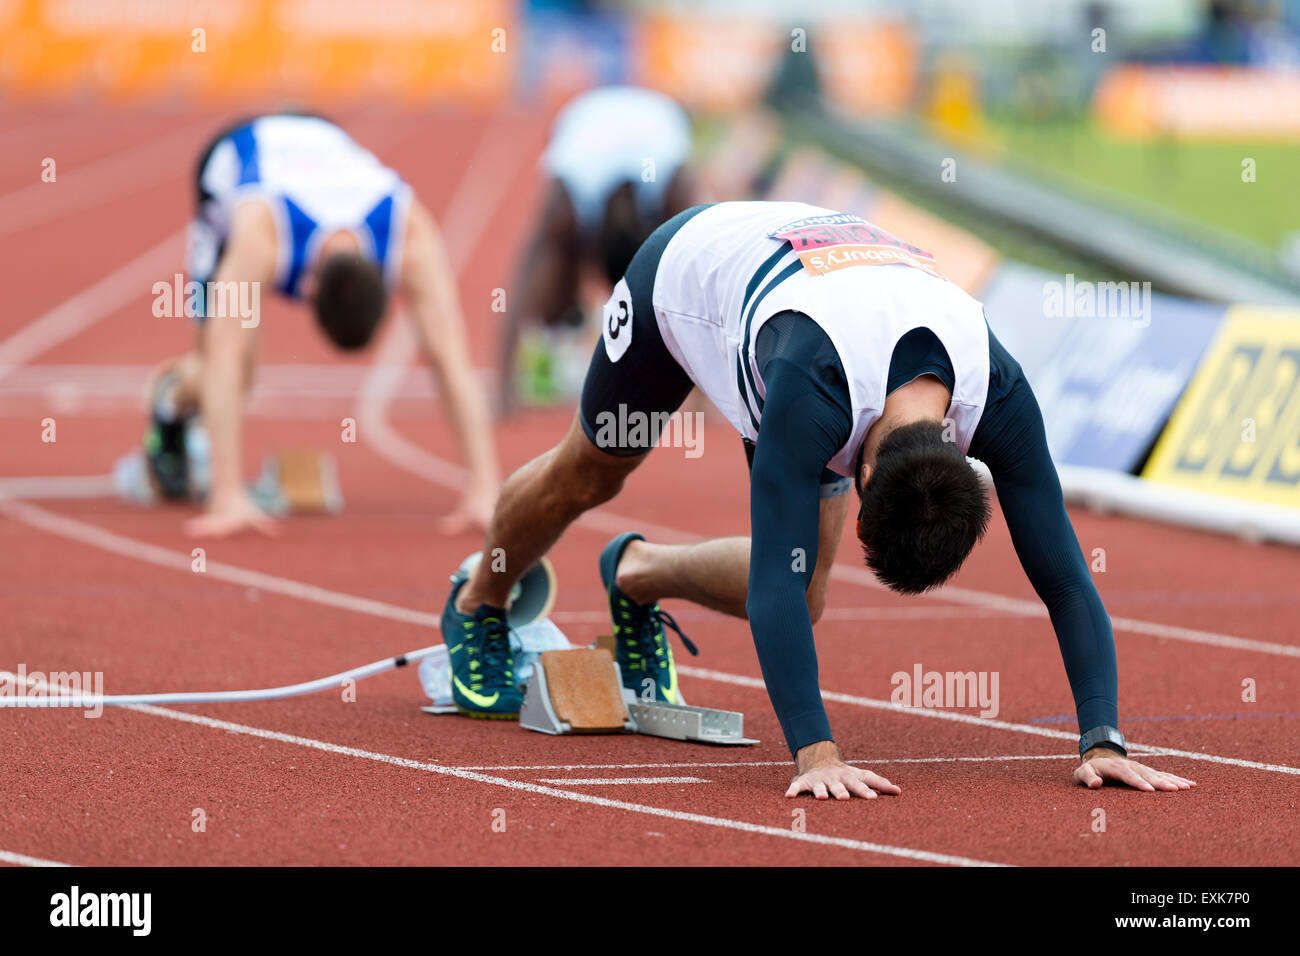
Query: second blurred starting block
[295,481]
[298,481]
[581,692]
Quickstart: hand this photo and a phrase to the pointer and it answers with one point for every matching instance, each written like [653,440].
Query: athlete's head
[923,508]
[350,299]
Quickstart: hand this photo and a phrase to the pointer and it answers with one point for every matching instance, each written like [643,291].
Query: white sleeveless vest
[726,272]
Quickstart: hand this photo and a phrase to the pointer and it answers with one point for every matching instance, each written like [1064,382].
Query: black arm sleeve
[1011,440]
[806,420]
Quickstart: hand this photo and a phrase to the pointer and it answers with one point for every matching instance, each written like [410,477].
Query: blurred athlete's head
[923,508]
[350,299]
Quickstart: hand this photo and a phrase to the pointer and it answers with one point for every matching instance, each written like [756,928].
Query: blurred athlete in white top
[293,202]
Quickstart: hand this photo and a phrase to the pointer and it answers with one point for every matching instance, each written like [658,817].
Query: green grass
[1200,180]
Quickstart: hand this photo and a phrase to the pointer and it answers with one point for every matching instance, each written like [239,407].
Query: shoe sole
[485,715]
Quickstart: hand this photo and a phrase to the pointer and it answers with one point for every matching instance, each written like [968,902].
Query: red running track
[97,585]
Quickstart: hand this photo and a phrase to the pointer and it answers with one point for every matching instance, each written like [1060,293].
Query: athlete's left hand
[471,515]
[1101,764]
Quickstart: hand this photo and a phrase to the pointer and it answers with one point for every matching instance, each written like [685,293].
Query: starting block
[582,692]
[298,481]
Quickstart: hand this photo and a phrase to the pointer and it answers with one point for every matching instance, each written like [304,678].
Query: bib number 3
[617,327]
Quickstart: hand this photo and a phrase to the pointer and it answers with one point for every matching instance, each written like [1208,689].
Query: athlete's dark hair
[922,511]
[350,299]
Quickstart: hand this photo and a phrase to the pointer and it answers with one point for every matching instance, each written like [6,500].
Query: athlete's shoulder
[760,211]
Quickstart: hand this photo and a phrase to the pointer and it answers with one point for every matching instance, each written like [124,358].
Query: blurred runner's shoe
[166,446]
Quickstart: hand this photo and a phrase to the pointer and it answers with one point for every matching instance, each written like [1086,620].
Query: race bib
[617,327]
[827,243]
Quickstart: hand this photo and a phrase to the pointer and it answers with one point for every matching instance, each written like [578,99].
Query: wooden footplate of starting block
[299,481]
[582,692]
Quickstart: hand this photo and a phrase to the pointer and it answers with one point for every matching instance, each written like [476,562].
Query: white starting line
[878,763]
[621,781]
[20,859]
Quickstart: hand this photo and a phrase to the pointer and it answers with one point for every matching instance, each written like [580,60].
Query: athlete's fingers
[838,790]
[224,525]
[859,786]
[881,784]
[819,790]
[1168,781]
[1182,782]
[1126,773]
[1087,776]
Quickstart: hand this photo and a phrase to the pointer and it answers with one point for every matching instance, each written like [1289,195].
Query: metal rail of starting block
[703,725]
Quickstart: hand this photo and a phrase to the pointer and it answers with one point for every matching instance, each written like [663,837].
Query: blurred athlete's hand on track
[227,516]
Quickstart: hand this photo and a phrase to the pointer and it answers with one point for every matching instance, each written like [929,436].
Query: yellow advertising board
[1236,431]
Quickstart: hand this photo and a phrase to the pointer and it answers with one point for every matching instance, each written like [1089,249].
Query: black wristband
[1103,736]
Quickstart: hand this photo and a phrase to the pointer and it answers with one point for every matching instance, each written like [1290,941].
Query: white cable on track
[71,699]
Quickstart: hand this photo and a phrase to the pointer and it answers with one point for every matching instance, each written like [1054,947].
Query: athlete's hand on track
[1101,764]
[472,514]
[232,515]
[822,773]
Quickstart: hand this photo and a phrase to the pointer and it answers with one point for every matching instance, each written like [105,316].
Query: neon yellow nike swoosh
[478,700]
[670,692]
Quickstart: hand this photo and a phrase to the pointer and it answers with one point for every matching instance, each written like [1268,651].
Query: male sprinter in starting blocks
[616,169]
[293,202]
[845,361]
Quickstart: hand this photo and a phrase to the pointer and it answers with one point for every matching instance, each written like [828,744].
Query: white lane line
[922,613]
[73,529]
[108,177]
[722,764]
[57,486]
[119,288]
[856,701]
[77,530]
[519,785]
[20,859]
[682,816]
[621,781]
[68,383]
[1025,608]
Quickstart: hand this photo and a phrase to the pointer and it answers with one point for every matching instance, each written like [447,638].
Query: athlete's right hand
[231,514]
[822,773]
